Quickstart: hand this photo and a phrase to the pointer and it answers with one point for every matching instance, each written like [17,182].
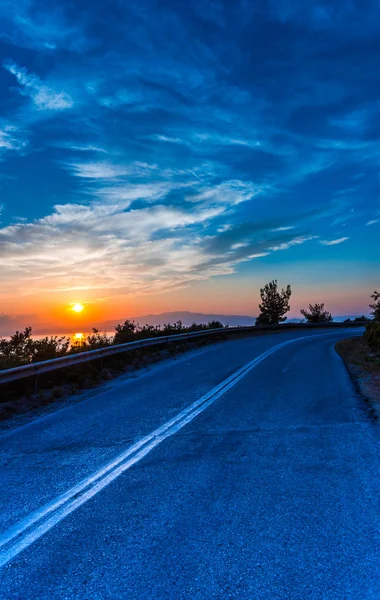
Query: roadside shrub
[125,332]
[317,314]
[57,392]
[372,335]
[362,319]
[215,325]
[96,339]
[22,349]
[375,306]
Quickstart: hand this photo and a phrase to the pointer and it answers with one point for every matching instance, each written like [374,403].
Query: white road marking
[39,522]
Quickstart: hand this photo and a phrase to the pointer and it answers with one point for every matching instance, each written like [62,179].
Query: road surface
[246,469]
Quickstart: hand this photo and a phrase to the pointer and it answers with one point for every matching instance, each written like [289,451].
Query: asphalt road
[266,487]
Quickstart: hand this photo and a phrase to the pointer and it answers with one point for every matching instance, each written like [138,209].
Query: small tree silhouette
[274,304]
[317,314]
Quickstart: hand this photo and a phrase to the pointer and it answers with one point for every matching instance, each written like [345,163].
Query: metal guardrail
[16,373]
[34,369]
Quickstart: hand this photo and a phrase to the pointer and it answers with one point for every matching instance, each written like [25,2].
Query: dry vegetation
[363,364]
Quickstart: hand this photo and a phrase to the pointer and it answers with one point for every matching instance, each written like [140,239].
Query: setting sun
[77,308]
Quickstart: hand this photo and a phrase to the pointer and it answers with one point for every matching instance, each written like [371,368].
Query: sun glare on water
[77,308]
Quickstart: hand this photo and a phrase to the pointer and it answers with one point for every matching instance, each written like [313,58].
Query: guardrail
[35,369]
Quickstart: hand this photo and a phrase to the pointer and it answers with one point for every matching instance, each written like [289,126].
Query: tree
[274,304]
[317,314]
[375,306]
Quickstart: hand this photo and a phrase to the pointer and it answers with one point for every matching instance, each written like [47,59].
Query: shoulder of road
[363,366]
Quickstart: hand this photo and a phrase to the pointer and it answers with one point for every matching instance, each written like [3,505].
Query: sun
[77,308]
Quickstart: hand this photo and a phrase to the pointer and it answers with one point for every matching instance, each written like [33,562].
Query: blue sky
[150,147]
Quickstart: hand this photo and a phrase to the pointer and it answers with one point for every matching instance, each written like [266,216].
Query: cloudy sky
[161,155]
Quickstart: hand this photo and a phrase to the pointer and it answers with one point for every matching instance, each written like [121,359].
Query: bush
[215,325]
[372,335]
[375,306]
[96,339]
[22,349]
[317,314]
[57,392]
[125,332]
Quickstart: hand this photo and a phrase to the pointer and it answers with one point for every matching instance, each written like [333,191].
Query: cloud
[284,228]
[10,139]
[294,242]
[102,247]
[373,221]
[122,195]
[168,139]
[97,170]
[334,242]
[76,147]
[43,96]
[117,249]
[231,192]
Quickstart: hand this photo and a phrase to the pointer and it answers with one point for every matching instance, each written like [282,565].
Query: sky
[161,155]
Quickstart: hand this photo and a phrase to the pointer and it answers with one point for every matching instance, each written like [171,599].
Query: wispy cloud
[11,138]
[334,242]
[168,139]
[284,228]
[231,192]
[124,250]
[43,96]
[294,242]
[101,247]
[373,221]
[97,170]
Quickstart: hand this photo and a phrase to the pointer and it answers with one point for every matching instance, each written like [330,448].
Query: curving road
[247,469]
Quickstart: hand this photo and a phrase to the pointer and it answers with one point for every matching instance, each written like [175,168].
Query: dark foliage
[97,339]
[317,314]
[22,349]
[125,332]
[372,335]
[375,306]
[361,319]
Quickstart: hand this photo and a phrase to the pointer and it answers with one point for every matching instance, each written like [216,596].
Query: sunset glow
[77,308]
